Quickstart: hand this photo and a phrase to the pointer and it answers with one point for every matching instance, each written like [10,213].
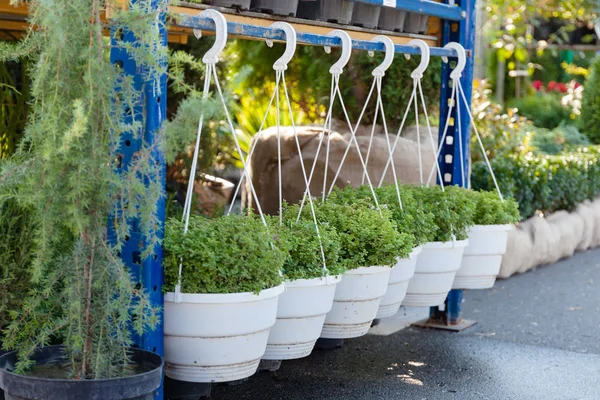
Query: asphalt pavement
[537,337]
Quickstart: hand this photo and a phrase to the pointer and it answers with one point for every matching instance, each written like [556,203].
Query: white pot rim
[321,281]
[226,298]
[369,270]
[492,228]
[416,251]
[446,245]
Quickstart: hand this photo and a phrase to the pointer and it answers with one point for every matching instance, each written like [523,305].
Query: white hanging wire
[442,141]
[337,93]
[431,140]
[472,123]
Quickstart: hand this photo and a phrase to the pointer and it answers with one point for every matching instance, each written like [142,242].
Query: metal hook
[425,56]
[290,47]
[390,51]
[338,67]
[212,55]
[462,59]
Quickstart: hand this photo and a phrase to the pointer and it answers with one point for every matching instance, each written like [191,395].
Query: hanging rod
[260,32]
[427,7]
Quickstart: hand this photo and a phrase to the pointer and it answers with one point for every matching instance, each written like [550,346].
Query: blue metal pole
[151,109]
[462,32]
[427,7]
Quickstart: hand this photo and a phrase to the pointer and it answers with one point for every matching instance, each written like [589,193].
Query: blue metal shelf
[260,32]
[427,7]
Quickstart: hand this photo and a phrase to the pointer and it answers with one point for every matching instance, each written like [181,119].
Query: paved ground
[537,337]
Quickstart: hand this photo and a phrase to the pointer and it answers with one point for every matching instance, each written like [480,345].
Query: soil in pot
[240,4]
[392,20]
[277,7]
[337,11]
[366,15]
[47,379]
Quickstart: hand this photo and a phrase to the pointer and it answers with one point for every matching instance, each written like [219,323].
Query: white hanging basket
[217,337]
[436,267]
[483,257]
[401,274]
[356,302]
[300,316]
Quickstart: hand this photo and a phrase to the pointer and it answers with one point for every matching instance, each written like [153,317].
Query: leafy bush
[411,219]
[17,230]
[557,140]
[453,210]
[490,210]
[544,110]
[589,122]
[367,238]
[231,254]
[544,183]
[303,252]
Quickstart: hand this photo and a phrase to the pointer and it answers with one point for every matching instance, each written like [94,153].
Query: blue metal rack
[459,26]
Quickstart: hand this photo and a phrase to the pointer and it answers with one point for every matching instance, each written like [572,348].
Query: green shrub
[544,110]
[490,210]
[557,140]
[304,259]
[589,121]
[231,254]
[367,238]
[544,183]
[411,219]
[17,233]
[453,210]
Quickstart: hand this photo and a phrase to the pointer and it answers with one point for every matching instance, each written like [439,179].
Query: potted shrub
[277,7]
[370,244]
[488,238]
[241,4]
[338,11]
[216,330]
[67,172]
[411,220]
[366,15]
[441,257]
[392,20]
[310,286]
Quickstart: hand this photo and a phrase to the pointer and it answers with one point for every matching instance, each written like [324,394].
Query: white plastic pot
[356,302]
[217,337]
[398,284]
[436,267]
[300,316]
[483,257]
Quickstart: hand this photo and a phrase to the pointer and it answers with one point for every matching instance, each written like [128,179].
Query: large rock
[264,170]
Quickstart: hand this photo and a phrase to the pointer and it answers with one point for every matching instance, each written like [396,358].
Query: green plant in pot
[67,173]
[441,258]
[488,239]
[217,323]
[410,218]
[312,271]
[370,244]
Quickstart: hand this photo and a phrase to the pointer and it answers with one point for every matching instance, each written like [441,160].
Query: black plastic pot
[366,15]
[241,4]
[337,11]
[134,387]
[392,20]
[416,23]
[278,7]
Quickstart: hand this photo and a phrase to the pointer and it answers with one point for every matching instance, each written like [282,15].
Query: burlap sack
[519,252]
[595,214]
[569,228]
[264,169]
[584,212]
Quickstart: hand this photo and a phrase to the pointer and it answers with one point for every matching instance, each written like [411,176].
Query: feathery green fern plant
[66,171]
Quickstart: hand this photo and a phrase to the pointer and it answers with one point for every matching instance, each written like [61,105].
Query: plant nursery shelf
[305,26]
[13,24]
